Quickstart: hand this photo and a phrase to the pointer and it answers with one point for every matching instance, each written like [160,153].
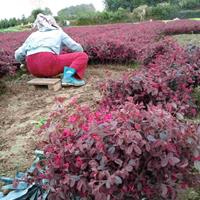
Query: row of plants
[158,11]
[168,70]
[121,43]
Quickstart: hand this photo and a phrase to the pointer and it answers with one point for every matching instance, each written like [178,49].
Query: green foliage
[5,23]
[105,17]
[13,22]
[116,11]
[130,5]
[163,11]
[197,19]
[140,13]
[185,14]
[190,4]
[17,28]
[114,5]
[35,12]
[24,20]
[160,9]
[73,12]
[39,123]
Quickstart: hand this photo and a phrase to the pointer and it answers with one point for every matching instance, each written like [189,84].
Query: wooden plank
[43,81]
[55,87]
[50,83]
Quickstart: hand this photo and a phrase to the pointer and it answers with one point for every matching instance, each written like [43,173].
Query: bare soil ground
[21,106]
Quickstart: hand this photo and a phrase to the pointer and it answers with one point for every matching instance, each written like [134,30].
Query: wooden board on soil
[51,83]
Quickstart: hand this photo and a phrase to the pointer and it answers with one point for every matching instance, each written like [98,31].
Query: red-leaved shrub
[182,26]
[113,43]
[130,153]
[167,79]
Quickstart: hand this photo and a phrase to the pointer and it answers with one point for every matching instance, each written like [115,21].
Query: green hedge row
[185,14]
[162,11]
[104,18]
[157,13]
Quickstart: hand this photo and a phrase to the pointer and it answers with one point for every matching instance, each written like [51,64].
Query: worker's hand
[23,67]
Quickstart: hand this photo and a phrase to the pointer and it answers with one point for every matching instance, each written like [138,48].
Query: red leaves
[137,126]
[147,151]
[169,159]
[67,133]
[81,185]
[57,161]
[137,149]
[95,136]
[72,119]
[109,43]
[182,26]
[197,158]
[163,81]
[79,162]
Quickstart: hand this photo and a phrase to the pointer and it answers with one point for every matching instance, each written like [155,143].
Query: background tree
[76,11]
[23,19]
[35,12]
[114,5]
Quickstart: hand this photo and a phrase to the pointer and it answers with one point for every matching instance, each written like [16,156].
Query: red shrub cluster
[9,42]
[182,26]
[130,153]
[167,79]
[108,43]
[117,43]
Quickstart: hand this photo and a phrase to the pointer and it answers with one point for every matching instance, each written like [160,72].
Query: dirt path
[21,106]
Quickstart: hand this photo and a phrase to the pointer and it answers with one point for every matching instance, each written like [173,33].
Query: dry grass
[185,39]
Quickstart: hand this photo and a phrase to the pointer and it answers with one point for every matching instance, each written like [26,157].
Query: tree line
[6,23]
[115,10]
[114,5]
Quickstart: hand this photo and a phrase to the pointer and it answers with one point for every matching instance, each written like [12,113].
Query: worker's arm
[70,43]
[20,53]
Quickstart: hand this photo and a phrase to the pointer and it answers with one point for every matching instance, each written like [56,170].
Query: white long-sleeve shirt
[46,41]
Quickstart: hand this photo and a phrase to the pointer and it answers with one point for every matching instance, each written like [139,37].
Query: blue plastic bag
[24,190]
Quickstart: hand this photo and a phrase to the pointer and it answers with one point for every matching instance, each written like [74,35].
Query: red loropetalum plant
[113,43]
[130,153]
[182,26]
[167,79]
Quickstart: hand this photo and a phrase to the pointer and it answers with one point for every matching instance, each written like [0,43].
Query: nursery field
[126,133]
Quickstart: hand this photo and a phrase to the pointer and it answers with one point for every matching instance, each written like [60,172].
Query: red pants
[46,64]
